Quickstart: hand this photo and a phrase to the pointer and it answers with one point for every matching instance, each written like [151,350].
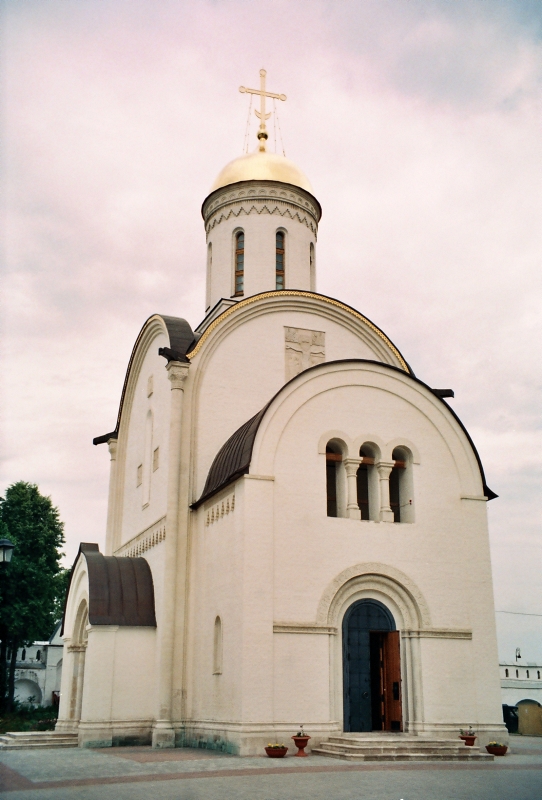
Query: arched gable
[289,300]
[328,376]
[181,339]
[256,440]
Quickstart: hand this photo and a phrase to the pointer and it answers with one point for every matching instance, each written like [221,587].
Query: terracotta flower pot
[469,740]
[276,752]
[496,750]
[301,743]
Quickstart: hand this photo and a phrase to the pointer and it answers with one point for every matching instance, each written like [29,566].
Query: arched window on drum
[280,255]
[335,479]
[239,281]
[401,486]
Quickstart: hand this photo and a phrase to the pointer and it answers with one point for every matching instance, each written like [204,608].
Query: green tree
[32,583]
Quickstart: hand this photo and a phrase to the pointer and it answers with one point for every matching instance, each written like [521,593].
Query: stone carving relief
[304,349]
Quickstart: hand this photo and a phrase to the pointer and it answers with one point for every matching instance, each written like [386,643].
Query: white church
[297,527]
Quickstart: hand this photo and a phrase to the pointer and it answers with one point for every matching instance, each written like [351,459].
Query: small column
[351,466]
[384,468]
[163,734]
[111,505]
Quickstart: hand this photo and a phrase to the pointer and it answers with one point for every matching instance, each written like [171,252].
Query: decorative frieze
[260,208]
[221,509]
[144,541]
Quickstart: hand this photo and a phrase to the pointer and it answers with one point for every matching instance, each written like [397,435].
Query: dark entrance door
[372,669]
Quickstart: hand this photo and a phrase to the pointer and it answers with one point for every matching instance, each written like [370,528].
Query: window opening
[38,658]
[239,264]
[363,480]
[312,268]
[332,459]
[279,260]
[506,673]
[217,647]
[517,673]
[147,459]
[527,673]
[538,674]
[209,270]
[400,483]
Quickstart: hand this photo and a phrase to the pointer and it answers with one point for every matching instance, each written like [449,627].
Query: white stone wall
[274,560]
[520,682]
[243,365]
[145,429]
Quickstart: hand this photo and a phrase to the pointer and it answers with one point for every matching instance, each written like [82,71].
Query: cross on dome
[262,116]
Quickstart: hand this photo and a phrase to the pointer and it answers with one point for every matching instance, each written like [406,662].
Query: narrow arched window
[279,259]
[367,485]
[538,674]
[517,673]
[506,673]
[217,647]
[335,480]
[312,267]
[239,264]
[401,488]
[38,658]
[23,655]
[527,673]
[209,272]
[147,459]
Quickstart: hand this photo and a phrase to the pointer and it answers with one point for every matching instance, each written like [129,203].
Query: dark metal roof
[234,457]
[181,341]
[121,590]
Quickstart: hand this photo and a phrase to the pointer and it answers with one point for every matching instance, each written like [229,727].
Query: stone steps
[22,740]
[398,748]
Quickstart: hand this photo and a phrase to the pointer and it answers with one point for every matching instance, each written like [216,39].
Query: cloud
[419,126]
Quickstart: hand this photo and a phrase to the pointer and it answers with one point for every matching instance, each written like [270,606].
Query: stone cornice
[438,633]
[304,627]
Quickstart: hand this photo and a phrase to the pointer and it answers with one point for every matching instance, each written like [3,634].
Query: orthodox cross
[262,116]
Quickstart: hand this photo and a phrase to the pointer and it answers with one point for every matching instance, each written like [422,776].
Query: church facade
[297,528]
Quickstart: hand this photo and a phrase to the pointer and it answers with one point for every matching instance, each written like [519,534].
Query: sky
[419,125]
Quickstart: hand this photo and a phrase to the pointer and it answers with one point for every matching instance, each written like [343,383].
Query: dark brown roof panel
[233,458]
[121,590]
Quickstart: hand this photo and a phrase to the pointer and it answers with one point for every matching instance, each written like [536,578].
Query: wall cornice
[261,190]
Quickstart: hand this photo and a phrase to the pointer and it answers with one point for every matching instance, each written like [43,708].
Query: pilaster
[111,505]
[163,734]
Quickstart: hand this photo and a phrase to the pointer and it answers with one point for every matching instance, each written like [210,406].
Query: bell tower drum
[261,221]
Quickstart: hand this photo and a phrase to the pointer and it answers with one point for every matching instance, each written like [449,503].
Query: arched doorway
[371,668]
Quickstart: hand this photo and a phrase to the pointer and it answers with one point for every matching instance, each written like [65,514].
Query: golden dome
[262,166]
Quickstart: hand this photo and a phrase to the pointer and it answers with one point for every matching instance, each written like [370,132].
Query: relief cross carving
[304,349]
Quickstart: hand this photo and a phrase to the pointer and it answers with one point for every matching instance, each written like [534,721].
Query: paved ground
[139,773]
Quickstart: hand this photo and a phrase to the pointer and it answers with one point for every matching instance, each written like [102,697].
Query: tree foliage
[33,584]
